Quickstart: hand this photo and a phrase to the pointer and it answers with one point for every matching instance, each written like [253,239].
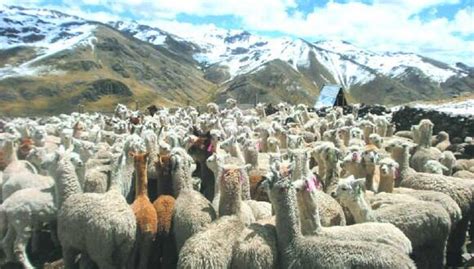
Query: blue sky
[441,29]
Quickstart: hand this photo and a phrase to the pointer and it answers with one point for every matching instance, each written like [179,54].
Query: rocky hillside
[50,62]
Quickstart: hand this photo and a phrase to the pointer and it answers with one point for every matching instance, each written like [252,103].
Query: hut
[331,95]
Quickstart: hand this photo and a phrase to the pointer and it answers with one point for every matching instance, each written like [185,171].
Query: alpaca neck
[181,181]
[346,138]
[309,215]
[369,176]
[11,151]
[386,183]
[141,180]
[287,219]
[66,181]
[251,157]
[230,202]
[331,178]
[360,209]
[234,151]
[404,165]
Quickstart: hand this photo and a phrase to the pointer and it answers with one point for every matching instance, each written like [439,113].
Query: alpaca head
[442,136]
[229,143]
[434,167]
[231,179]
[349,190]
[295,141]
[140,160]
[163,164]
[231,103]
[376,139]
[277,185]
[388,168]
[273,144]
[370,155]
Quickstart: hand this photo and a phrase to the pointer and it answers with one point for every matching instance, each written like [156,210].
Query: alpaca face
[388,168]
[349,189]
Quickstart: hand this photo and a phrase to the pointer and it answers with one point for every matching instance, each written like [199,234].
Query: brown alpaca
[257,193]
[145,213]
[164,184]
[78,128]
[165,255]
[202,148]
[26,144]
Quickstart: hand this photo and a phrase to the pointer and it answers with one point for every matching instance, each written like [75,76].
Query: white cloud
[392,25]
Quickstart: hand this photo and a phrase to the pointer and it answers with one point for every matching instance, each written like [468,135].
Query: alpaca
[448,160]
[192,211]
[368,128]
[388,169]
[103,226]
[457,190]
[376,140]
[442,140]
[427,225]
[464,174]
[25,180]
[434,167]
[200,149]
[324,253]
[370,159]
[330,211]
[423,133]
[256,247]
[233,148]
[372,232]
[230,202]
[144,211]
[212,247]
[22,214]
[166,254]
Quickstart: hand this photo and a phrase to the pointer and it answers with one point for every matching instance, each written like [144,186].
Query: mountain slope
[227,55]
[90,63]
[51,61]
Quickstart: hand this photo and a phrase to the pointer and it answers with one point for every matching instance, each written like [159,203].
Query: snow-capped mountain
[242,52]
[43,52]
[44,31]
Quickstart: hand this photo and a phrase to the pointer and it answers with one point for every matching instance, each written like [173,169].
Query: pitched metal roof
[327,96]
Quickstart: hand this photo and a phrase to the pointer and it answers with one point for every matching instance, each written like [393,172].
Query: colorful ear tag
[210,148]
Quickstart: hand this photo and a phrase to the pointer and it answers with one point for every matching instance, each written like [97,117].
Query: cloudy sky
[441,29]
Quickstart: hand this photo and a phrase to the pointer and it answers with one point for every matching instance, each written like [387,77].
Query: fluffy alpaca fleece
[372,232]
[330,211]
[447,159]
[165,253]
[458,190]
[23,213]
[464,174]
[145,213]
[102,226]
[437,197]
[256,247]
[435,167]
[427,225]
[232,147]
[230,202]
[213,247]
[442,140]
[23,181]
[298,251]
[192,211]
[422,156]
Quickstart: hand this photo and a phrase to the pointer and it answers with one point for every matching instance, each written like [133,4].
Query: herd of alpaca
[232,188]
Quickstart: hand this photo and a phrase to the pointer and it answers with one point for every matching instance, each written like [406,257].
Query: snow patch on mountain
[146,33]
[48,32]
